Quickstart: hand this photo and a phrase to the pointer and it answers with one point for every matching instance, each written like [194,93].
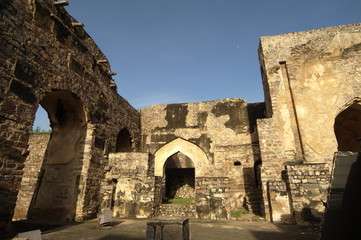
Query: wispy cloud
[158,98]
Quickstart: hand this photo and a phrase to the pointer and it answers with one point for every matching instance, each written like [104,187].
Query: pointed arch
[191,150]
[347,128]
[124,141]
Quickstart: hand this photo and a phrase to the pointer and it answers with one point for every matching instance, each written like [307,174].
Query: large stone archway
[191,150]
[56,195]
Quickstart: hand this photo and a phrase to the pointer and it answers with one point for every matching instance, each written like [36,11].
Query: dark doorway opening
[179,179]
[124,141]
[347,129]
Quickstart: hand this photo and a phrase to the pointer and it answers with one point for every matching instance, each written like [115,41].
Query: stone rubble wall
[177,210]
[212,198]
[128,189]
[308,186]
[300,197]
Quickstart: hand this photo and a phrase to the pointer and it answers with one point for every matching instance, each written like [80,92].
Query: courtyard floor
[135,229]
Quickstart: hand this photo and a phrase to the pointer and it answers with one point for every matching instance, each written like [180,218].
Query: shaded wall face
[54,56]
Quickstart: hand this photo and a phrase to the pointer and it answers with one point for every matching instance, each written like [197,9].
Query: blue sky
[175,51]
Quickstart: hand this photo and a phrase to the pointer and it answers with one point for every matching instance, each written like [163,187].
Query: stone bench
[168,228]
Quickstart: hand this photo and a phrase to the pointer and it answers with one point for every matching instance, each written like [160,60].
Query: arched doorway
[56,194]
[124,141]
[179,178]
[348,129]
[198,156]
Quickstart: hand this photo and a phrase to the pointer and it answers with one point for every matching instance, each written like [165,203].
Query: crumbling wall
[308,186]
[212,198]
[129,188]
[279,202]
[44,50]
[309,78]
[223,129]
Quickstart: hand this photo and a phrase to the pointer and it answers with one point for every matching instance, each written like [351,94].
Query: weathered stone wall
[212,198]
[279,202]
[177,210]
[37,147]
[129,188]
[41,52]
[308,186]
[309,78]
[219,136]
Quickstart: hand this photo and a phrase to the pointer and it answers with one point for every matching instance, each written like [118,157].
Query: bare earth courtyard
[135,229]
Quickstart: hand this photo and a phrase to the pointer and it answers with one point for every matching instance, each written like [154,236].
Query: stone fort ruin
[273,158]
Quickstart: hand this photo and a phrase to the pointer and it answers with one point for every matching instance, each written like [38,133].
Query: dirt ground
[135,229]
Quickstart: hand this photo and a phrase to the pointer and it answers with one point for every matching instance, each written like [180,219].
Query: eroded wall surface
[37,147]
[130,188]
[225,142]
[43,51]
[309,78]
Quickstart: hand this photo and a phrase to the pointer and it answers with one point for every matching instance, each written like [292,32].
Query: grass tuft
[179,201]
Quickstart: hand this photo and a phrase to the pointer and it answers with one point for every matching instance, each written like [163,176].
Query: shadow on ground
[120,237]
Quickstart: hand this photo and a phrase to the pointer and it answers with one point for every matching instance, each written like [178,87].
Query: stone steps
[177,210]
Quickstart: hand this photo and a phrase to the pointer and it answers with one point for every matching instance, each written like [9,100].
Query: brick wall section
[40,51]
[308,186]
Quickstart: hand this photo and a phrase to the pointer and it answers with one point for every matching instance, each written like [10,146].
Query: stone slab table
[168,228]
